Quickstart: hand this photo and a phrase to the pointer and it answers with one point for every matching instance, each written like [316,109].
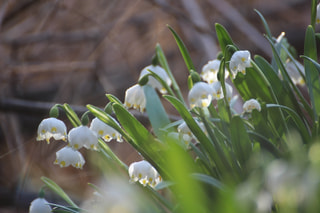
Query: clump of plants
[214,158]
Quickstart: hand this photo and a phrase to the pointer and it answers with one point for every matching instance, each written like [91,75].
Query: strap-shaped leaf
[155,110]
[223,37]
[240,140]
[183,49]
[164,64]
[58,190]
[312,75]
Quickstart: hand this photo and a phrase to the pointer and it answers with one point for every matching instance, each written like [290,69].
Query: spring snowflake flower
[82,136]
[210,70]
[39,205]
[200,95]
[154,82]
[52,128]
[218,93]
[239,61]
[144,172]
[292,69]
[185,133]
[135,98]
[106,132]
[68,156]
[250,105]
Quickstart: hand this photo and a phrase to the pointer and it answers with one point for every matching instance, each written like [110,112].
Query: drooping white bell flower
[106,132]
[52,128]
[68,156]
[185,133]
[295,75]
[154,82]
[39,205]
[144,172]
[210,71]
[239,61]
[200,95]
[135,98]
[82,136]
[218,92]
[250,105]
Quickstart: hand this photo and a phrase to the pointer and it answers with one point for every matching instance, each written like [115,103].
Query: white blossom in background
[210,71]
[106,132]
[218,92]
[82,136]
[318,14]
[144,172]
[200,95]
[115,195]
[40,205]
[135,98]
[250,105]
[239,61]
[52,128]
[68,156]
[154,82]
[185,133]
[293,71]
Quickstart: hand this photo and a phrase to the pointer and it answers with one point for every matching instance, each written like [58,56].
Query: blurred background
[76,51]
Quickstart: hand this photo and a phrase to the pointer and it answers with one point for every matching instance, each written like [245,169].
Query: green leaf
[155,110]
[240,140]
[164,64]
[265,24]
[106,118]
[283,92]
[141,139]
[208,179]
[58,190]
[313,13]
[223,37]
[312,75]
[217,156]
[113,99]
[300,125]
[72,116]
[183,49]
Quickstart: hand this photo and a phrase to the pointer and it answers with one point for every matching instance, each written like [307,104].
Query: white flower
[144,172]
[154,82]
[135,98]
[218,93]
[293,71]
[200,95]
[40,205]
[229,91]
[82,136]
[239,61]
[318,14]
[210,70]
[68,156]
[186,134]
[52,128]
[104,131]
[250,105]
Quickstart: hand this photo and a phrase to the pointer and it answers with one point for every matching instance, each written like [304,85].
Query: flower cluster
[78,137]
